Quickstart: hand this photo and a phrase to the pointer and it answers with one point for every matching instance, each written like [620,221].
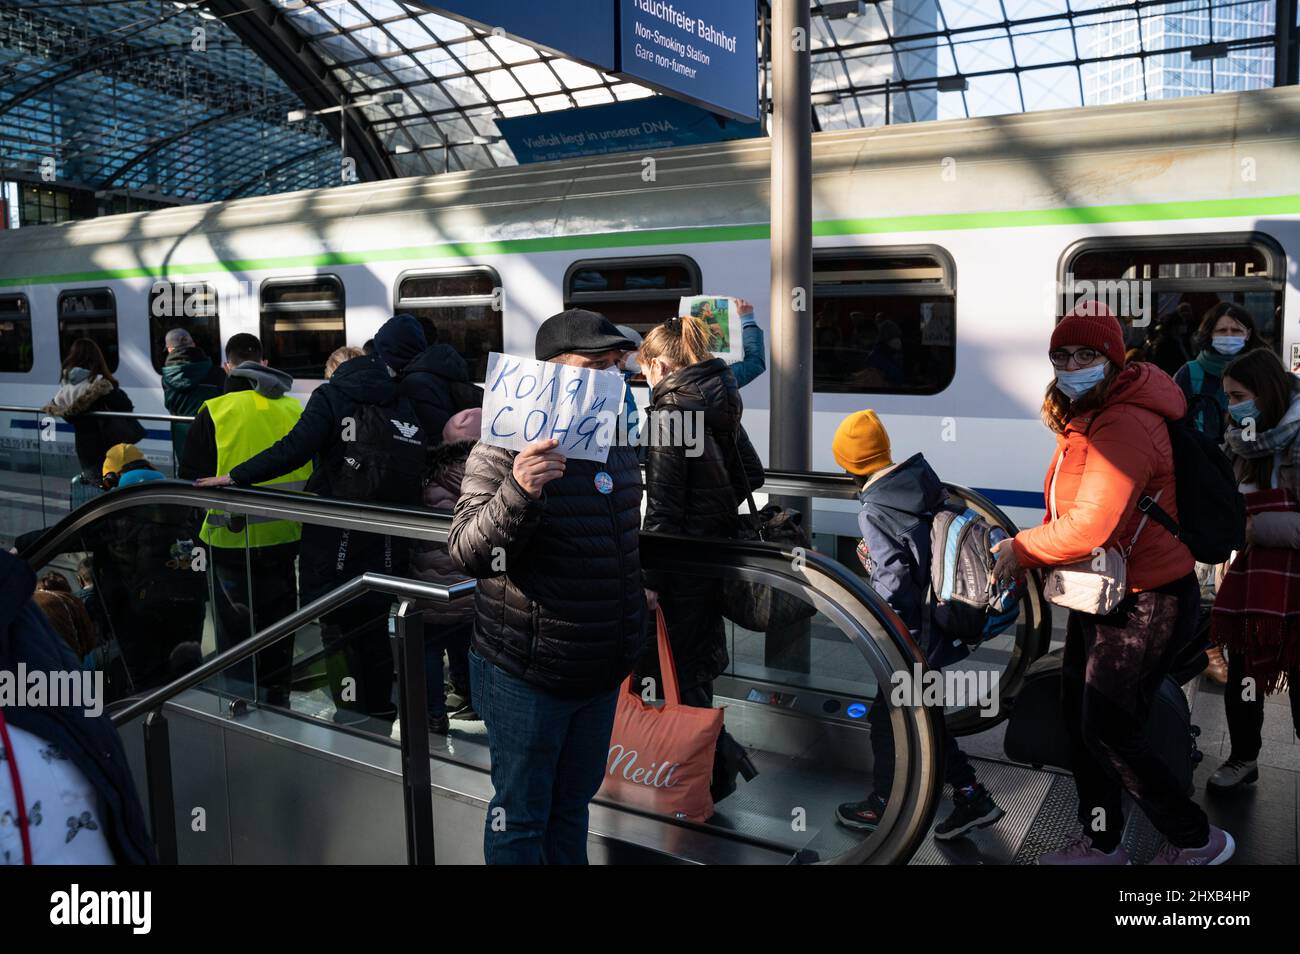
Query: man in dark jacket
[560,614]
[327,434]
[433,377]
[899,502]
[188,379]
[89,742]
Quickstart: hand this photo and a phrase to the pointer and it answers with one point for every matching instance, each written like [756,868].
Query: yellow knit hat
[119,455]
[861,444]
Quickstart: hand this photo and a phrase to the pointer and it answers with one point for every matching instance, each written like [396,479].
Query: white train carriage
[940,249]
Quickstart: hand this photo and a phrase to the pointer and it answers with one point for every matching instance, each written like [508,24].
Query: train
[943,254]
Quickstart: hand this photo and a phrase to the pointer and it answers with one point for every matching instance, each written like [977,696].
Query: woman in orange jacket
[1112,448]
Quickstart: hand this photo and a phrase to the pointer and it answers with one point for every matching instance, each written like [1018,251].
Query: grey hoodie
[268,382]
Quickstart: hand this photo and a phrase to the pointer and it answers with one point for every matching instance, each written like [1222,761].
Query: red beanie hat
[1090,324]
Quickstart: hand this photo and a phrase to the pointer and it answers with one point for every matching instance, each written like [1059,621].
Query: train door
[1162,287]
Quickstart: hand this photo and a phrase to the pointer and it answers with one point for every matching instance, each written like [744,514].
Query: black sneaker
[466,714]
[862,816]
[439,725]
[975,811]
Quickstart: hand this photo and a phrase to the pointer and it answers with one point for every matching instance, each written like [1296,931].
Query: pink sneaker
[1215,851]
[1079,851]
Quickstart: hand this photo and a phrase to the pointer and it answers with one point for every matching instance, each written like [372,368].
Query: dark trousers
[549,755]
[957,768]
[454,641]
[728,753]
[1246,716]
[359,658]
[252,589]
[1112,667]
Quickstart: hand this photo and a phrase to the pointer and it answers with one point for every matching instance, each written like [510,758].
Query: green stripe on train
[955,221]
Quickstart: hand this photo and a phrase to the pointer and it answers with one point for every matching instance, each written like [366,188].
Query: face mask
[1243,411]
[1075,384]
[631,365]
[1227,344]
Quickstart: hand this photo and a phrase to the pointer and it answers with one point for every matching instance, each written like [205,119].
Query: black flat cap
[578,331]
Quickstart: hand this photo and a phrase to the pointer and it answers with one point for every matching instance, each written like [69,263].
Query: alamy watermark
[1130,300]
[63,689]
[969,688]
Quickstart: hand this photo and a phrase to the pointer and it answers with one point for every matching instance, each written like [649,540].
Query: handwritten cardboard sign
[528,400]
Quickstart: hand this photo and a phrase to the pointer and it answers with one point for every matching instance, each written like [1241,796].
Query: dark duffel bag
[1036,731]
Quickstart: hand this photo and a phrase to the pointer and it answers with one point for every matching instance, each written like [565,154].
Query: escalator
[236,772]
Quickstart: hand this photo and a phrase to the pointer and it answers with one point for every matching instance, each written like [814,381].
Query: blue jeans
[548,761]
[455,641]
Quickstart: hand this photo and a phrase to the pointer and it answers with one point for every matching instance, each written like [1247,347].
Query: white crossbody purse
[1095,585]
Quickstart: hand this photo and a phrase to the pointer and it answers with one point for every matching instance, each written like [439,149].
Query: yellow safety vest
[246,423]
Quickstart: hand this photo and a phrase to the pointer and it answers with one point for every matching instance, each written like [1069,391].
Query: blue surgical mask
[1075,384]
[1227,344]
[1243,411]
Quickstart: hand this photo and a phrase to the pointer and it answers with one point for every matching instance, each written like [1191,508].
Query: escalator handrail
[335,598]
[841,594]
[133,415]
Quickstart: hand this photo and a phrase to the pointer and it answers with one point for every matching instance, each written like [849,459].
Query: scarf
[1257,609]
[1281,437]
[1213,363]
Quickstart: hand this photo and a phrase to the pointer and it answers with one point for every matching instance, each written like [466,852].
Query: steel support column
[791,366]
[1284,54]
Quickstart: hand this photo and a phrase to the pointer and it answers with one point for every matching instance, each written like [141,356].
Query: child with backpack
[899,506]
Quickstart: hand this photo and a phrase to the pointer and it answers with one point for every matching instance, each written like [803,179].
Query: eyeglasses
[1083,357]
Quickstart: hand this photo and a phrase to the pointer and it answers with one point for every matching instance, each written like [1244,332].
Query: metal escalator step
[1019,791]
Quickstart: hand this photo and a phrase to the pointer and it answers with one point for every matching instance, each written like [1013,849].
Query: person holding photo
[697,495]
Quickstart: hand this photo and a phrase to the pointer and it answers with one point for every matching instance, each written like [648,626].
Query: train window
[302,323]
[639,292]
[1162,286]
[15,334]
[461,308]
[188,305]
[883,320]
[89,313]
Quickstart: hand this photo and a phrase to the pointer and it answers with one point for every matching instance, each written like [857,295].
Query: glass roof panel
[113,92]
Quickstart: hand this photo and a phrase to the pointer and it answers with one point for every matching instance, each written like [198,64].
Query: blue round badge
[604,483]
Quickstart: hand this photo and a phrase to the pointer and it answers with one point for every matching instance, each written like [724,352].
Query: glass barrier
[819,734]
[41,478]
[816,655]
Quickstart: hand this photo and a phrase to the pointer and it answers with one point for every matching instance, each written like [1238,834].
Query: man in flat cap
[559,614]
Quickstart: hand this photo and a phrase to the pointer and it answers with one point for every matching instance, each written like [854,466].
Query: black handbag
[761,607]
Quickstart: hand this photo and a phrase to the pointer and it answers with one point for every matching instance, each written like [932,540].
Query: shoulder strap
[1153,511]
[20,806]
[740,469]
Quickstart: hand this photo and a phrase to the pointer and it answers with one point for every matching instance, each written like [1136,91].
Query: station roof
[223,98]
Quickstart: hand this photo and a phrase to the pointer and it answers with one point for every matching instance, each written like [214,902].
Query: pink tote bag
[661,757]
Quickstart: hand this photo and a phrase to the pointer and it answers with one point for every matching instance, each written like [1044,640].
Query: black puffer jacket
[567,613]
[431,562]
[698,496]
[330,556]
[435,384]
